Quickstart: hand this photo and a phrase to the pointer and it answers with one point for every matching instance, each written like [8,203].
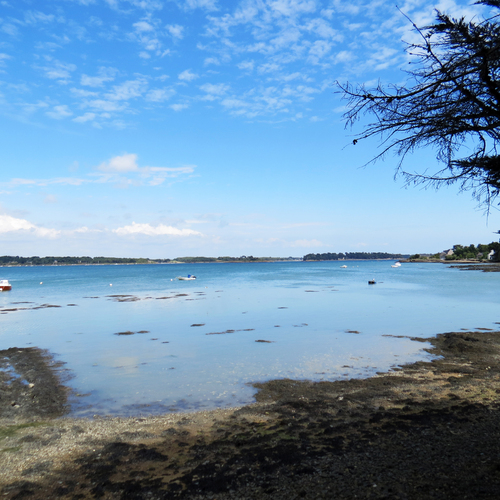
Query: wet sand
[430,430]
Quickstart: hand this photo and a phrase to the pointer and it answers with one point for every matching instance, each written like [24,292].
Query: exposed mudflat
[492,267]
[30,385]
[428,431]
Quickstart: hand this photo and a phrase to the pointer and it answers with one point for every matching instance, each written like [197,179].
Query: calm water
[308,311]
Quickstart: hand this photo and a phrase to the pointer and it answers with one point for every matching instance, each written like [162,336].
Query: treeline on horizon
[51,260]
[354,256]
[10,260]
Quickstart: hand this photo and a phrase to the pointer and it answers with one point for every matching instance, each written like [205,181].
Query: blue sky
[166,128]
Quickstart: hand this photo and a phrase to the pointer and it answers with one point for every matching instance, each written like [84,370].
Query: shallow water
[319,321]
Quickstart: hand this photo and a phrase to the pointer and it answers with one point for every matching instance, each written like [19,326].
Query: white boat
[5,286]
[188,278]
[397,264]
[343,267]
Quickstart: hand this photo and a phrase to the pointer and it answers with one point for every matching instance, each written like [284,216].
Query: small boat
[5,286]
[343,267]
[188,278]
[397,264]
[371,282]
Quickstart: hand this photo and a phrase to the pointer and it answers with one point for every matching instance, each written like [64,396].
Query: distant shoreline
[199,262]
[260,261]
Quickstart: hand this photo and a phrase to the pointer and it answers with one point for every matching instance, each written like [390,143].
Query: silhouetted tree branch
[451,102]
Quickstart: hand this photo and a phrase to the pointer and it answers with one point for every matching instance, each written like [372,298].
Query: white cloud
[200,4]
[292,7]
[214,90]
[179,107]
[35,17]
[167,171]
[346,7]
[176,30]
[104,75]
[343,56]
[142,26]
[105,106]
[116,169]
[84,2]
[246,65]
[270,67]
[65,181]
[120,164]
[10,224]
[232,103]
[211,60]
[128,90]
[59,112]
[59,70]
[122,170]
[149,230]
[187,76]
[323,29]
[319,50]
[86,230]
[83,93]
[10,29]
[159,95]
[85,118]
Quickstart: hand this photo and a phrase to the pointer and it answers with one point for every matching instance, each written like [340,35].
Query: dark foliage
[353,256]
[451,102]
[47,261]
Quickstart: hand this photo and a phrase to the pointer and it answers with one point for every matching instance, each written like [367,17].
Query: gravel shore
[428,431]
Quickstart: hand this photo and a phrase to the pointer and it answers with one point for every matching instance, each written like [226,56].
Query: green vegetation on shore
[9,260]
[481,253]
[458,252]
[354,256]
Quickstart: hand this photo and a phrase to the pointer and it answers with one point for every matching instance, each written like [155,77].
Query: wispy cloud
[149,230]
[65,181]
[175,30]
[122,171]
[58,70]
[128,90]
[35,17]
[179,107]
[86,117]
[59,112]
[188,76]
[159,95]
[103,75]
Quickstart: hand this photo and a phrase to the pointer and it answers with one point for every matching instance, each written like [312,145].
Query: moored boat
[188,278]
[5,286]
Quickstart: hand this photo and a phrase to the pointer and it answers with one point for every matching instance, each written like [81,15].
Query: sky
[169,128]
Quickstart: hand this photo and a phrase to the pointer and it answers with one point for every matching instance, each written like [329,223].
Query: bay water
[134,340]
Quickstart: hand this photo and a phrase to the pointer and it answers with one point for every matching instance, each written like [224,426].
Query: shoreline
[435,424]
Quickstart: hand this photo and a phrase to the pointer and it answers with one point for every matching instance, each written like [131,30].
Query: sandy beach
[429,430]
